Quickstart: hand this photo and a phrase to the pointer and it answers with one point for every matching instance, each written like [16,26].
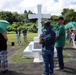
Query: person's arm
[40,39]
[59,33]
[5,36]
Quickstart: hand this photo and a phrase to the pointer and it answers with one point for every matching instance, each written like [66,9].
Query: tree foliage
[21,21]
[69,15]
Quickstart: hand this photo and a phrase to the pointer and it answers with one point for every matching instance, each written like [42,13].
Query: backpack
[49,39]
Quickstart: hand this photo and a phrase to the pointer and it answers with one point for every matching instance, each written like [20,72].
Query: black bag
[12,43]
[49,40]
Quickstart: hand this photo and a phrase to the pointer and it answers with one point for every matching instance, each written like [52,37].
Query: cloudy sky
[54,7]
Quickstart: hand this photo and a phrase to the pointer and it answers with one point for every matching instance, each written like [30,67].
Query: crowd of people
[49,39]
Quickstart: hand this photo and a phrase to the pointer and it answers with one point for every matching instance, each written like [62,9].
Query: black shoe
[62,69]
[5,71]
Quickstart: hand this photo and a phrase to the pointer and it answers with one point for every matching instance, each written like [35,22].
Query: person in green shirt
[60,41]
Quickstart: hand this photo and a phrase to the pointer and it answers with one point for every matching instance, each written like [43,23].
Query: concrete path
[37,68]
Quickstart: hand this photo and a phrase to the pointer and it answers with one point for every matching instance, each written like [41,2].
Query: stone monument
[33,50]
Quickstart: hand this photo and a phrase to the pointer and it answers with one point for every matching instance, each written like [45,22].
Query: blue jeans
[60,57]
[48,58]
[18,39]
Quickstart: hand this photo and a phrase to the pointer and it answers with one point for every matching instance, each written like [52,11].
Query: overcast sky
[54,7]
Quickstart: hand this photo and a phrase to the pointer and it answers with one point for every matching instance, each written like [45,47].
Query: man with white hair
[60,41]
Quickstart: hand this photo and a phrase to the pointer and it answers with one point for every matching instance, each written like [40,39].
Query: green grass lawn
[12,38]
[18,57]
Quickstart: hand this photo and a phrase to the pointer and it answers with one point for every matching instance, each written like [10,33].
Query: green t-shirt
[60,33]
[42,29]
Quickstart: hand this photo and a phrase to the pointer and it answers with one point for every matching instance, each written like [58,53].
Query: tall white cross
[39,16]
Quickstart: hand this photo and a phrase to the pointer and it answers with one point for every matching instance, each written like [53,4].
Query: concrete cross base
[38,60]
[33,50]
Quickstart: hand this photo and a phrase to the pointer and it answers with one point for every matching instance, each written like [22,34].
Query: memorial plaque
[37,45]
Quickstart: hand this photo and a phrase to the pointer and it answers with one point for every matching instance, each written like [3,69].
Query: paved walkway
[37,68]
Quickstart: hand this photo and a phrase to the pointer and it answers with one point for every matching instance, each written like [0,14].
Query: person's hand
[40,41]
[56,39]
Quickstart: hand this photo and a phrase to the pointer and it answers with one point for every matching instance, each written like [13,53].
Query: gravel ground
[37,68]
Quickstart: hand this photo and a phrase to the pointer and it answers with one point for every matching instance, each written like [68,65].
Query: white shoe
[43,74]
[57,68]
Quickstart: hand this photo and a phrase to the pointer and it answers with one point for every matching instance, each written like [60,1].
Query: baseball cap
[48,24]
[60,18]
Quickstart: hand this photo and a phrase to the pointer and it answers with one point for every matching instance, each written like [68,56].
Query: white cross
[39,16]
